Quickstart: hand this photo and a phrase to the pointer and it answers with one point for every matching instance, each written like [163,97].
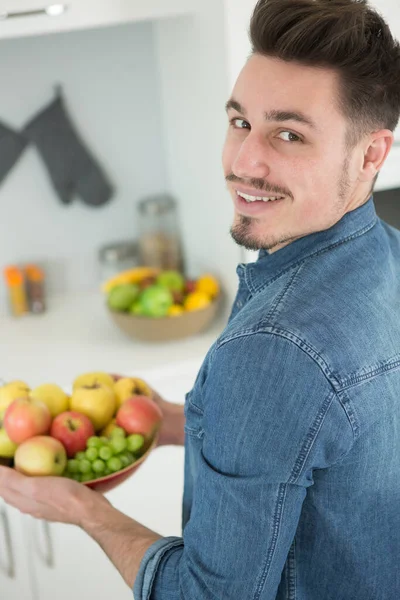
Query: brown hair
[348,36]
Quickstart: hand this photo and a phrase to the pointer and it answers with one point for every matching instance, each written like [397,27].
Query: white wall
[195,87]
[112,91]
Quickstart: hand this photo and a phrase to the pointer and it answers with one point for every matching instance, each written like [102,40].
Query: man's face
[299,157]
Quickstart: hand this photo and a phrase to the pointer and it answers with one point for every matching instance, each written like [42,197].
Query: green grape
[80,456]
[105,452]
[73,465]
[124,459]
[76,476]
[87,476]
[94,442]
[85,466]
[107,471]
[118,432]
[104,439]
[131,456]
[135,441]
[99,466]
[114,464]
[118,444]
[92,454]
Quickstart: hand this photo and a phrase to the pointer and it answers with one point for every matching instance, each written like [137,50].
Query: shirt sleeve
[269,417]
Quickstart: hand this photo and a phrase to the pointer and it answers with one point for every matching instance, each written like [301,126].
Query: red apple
[26,417]
[139,414]
[190,286]
[41,455]
[72,429]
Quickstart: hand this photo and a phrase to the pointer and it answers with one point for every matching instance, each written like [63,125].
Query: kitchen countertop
[75,335]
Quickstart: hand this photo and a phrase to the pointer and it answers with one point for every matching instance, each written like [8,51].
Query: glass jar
[117,257]
[159,238]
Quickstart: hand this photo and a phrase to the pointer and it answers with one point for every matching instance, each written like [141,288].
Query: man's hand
[172,429]
[50,498]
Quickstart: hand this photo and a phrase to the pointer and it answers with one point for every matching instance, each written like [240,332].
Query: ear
[379,145]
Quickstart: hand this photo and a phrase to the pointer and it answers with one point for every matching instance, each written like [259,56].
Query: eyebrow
[274,115]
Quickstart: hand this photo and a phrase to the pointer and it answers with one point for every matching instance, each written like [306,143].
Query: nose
[251,160]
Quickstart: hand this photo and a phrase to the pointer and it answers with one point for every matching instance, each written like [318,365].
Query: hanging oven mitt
[11,147]
[72,169]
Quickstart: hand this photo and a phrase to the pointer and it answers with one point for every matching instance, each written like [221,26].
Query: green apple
[155,301]
[173,280]
[41,455]
[122,297]
[7,447]
[136,309]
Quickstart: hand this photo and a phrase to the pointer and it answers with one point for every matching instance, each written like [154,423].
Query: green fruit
[114,464]
[103,440]
[80,456]
[122,297]
[118,444]
[94,442]
[173,280]
[134,442]
[155,301]
[136,309]
[105,453]
[99,466]
[107,471]
[124,458]
[92,454]
[87,476]
[118,432]
[76,476]
[73,465]
[85,466]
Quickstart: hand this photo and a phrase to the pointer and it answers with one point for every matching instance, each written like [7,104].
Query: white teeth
[249,198]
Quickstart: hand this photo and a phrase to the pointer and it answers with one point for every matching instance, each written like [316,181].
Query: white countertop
[75,335]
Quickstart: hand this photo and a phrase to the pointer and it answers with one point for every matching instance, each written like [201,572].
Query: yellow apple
[41,455]
[7,447]
[130,386]
[11,391]
[87,379]
[96,401]
[56,400]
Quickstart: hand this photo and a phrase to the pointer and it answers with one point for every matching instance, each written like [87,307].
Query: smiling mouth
[249,198]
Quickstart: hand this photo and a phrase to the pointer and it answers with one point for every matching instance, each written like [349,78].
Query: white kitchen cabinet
[16,580]
[19,18]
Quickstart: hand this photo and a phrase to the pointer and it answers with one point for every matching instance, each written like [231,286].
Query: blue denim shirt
[292,451]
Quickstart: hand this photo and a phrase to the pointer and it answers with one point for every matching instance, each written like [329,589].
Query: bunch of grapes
[105,455]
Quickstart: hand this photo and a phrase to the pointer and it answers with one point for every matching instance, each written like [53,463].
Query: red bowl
[109,482]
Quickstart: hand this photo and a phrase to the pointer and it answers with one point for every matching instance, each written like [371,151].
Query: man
[292,428]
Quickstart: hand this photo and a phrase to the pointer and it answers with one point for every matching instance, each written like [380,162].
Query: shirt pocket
[193,417]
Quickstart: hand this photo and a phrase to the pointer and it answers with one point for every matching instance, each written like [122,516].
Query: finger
[22,503]
[12,479]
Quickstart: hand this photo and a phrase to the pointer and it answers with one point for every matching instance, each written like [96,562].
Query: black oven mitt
[72,168]
[12,146]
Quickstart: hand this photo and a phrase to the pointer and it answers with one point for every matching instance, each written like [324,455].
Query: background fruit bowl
[156,306]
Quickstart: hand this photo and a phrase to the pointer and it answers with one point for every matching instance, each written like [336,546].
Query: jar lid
[156,205]
[118,251]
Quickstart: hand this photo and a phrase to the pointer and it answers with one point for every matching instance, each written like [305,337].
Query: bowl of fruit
[99,434]
[156,305]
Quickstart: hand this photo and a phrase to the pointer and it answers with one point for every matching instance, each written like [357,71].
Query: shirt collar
[269,266]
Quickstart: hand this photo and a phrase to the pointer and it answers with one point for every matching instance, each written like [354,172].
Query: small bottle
[34,279]
[14,279]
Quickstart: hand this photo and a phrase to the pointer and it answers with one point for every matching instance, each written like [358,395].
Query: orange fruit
[175,310]
[196,301]
[208,284]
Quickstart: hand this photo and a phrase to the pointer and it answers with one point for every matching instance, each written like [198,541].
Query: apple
[41,455]
[72,429]
[11,391]
[190,286]
[155,301]
[26,417]
[123,296]
[87,379]
[126,387]
[140,414]
[7,447]
[97,401]
[56,400]
[173,280]
[147,282]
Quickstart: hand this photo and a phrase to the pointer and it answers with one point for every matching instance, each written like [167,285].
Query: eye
[290,136]
[237,123]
